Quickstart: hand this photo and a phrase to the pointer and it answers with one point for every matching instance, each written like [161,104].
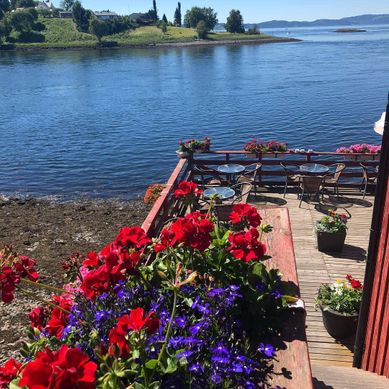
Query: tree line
[27,28]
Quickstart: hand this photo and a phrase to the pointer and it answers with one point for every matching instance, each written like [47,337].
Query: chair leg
[301,198]
[365,190]
[286,186]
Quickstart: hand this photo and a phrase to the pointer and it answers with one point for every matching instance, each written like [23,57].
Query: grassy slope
[62,33]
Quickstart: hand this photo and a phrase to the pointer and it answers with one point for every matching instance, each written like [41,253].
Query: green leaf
[151,364]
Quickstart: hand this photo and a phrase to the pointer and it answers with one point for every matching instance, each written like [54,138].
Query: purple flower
[196,368]
[216,292]
[185,354]
[267,349]
[180,321]
[220,350]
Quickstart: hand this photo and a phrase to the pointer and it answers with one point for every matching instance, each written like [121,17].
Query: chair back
[287,170]
[206,171]
[223,212]
[311,184]
[244,193]
[339,170]
[251,173]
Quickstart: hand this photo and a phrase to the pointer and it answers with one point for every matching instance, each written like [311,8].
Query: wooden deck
[314,267]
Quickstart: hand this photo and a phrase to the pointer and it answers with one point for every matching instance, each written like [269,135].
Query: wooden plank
[293,356]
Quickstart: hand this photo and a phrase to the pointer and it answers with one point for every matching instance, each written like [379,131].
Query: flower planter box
[330,242]
[337,324]
[351,157]
[252,155]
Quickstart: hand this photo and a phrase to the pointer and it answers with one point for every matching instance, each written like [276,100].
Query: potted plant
[253,148]
[273,146]
[153,192]
[187,148]
[331,232]
[340,303]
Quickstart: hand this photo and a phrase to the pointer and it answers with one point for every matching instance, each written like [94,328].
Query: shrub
[30,37]
[201,29]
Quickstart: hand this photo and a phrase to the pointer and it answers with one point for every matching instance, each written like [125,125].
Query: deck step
[341,377]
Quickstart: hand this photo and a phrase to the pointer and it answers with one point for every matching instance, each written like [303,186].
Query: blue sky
[252,10]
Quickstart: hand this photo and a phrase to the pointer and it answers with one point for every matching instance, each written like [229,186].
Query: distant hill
[361,20]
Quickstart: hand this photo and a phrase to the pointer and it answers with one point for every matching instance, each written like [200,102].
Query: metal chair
[250,174]
[209,176]
[224,209]
[291,177]
[367,178]
[310,185]
[333,177]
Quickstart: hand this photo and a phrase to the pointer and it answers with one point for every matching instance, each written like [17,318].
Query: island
[350,30]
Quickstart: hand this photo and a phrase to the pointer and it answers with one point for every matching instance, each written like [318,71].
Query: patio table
[314,168]
[230,169]
[223,192]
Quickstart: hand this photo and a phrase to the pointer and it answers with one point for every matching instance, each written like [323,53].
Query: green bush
[30,37]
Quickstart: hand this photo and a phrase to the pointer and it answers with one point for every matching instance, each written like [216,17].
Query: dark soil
[50,232]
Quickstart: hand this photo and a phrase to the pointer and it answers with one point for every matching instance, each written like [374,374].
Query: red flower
[92,260]
[8,372]
[59,318]
[96,282]
[62,369]
[38,317]
[134,321]
[8,280]
[246,246]
[187,189]
[132,237]
[246,214]
[355,284]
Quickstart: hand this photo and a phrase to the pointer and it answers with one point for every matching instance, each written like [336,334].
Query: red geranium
[62,369]
[134,321]
[59,317]
[38,317]
[8,372]
[8,280]
[187,191]
[355,284]
[245,214]
[132,237]
[246,246]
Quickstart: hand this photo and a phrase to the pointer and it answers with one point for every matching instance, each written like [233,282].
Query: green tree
[5,6]
[25,4]
[13,4]
[155,10]
[22,21]
[99,28]
[81,17]
[5,30]
[67,5]
[234,22]
[177,15]
[164,27]
[202,30]
[164,19]
[196,14]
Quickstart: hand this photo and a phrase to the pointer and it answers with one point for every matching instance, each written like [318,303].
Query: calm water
[106,123]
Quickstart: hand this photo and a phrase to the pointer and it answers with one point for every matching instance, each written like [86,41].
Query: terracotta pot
[330,241]
[337,324]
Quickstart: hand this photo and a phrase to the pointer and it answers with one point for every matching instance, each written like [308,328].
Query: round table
[230,169]
[314,168]
[223,192]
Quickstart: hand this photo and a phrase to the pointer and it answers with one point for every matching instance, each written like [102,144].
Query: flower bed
[152,193]
[199,314]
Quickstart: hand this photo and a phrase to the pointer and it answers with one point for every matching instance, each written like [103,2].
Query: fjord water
[106,123]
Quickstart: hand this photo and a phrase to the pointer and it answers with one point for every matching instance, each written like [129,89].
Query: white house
[45,4]
[105,15]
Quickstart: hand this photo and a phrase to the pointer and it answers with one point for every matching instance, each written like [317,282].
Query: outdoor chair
[223,210]
[310,186]
[368,178]
[209,176]
[291,177]
[250,174]
[333,177]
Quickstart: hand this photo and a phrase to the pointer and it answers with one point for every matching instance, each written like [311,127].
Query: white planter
[183,154]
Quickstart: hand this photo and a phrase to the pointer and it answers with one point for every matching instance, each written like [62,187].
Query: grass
[62,33]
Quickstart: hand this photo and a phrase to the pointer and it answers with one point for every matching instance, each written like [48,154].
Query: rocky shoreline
[49,232]
[160,45]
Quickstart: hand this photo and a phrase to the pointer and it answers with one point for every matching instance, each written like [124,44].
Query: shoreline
[49,232]
[199,43]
